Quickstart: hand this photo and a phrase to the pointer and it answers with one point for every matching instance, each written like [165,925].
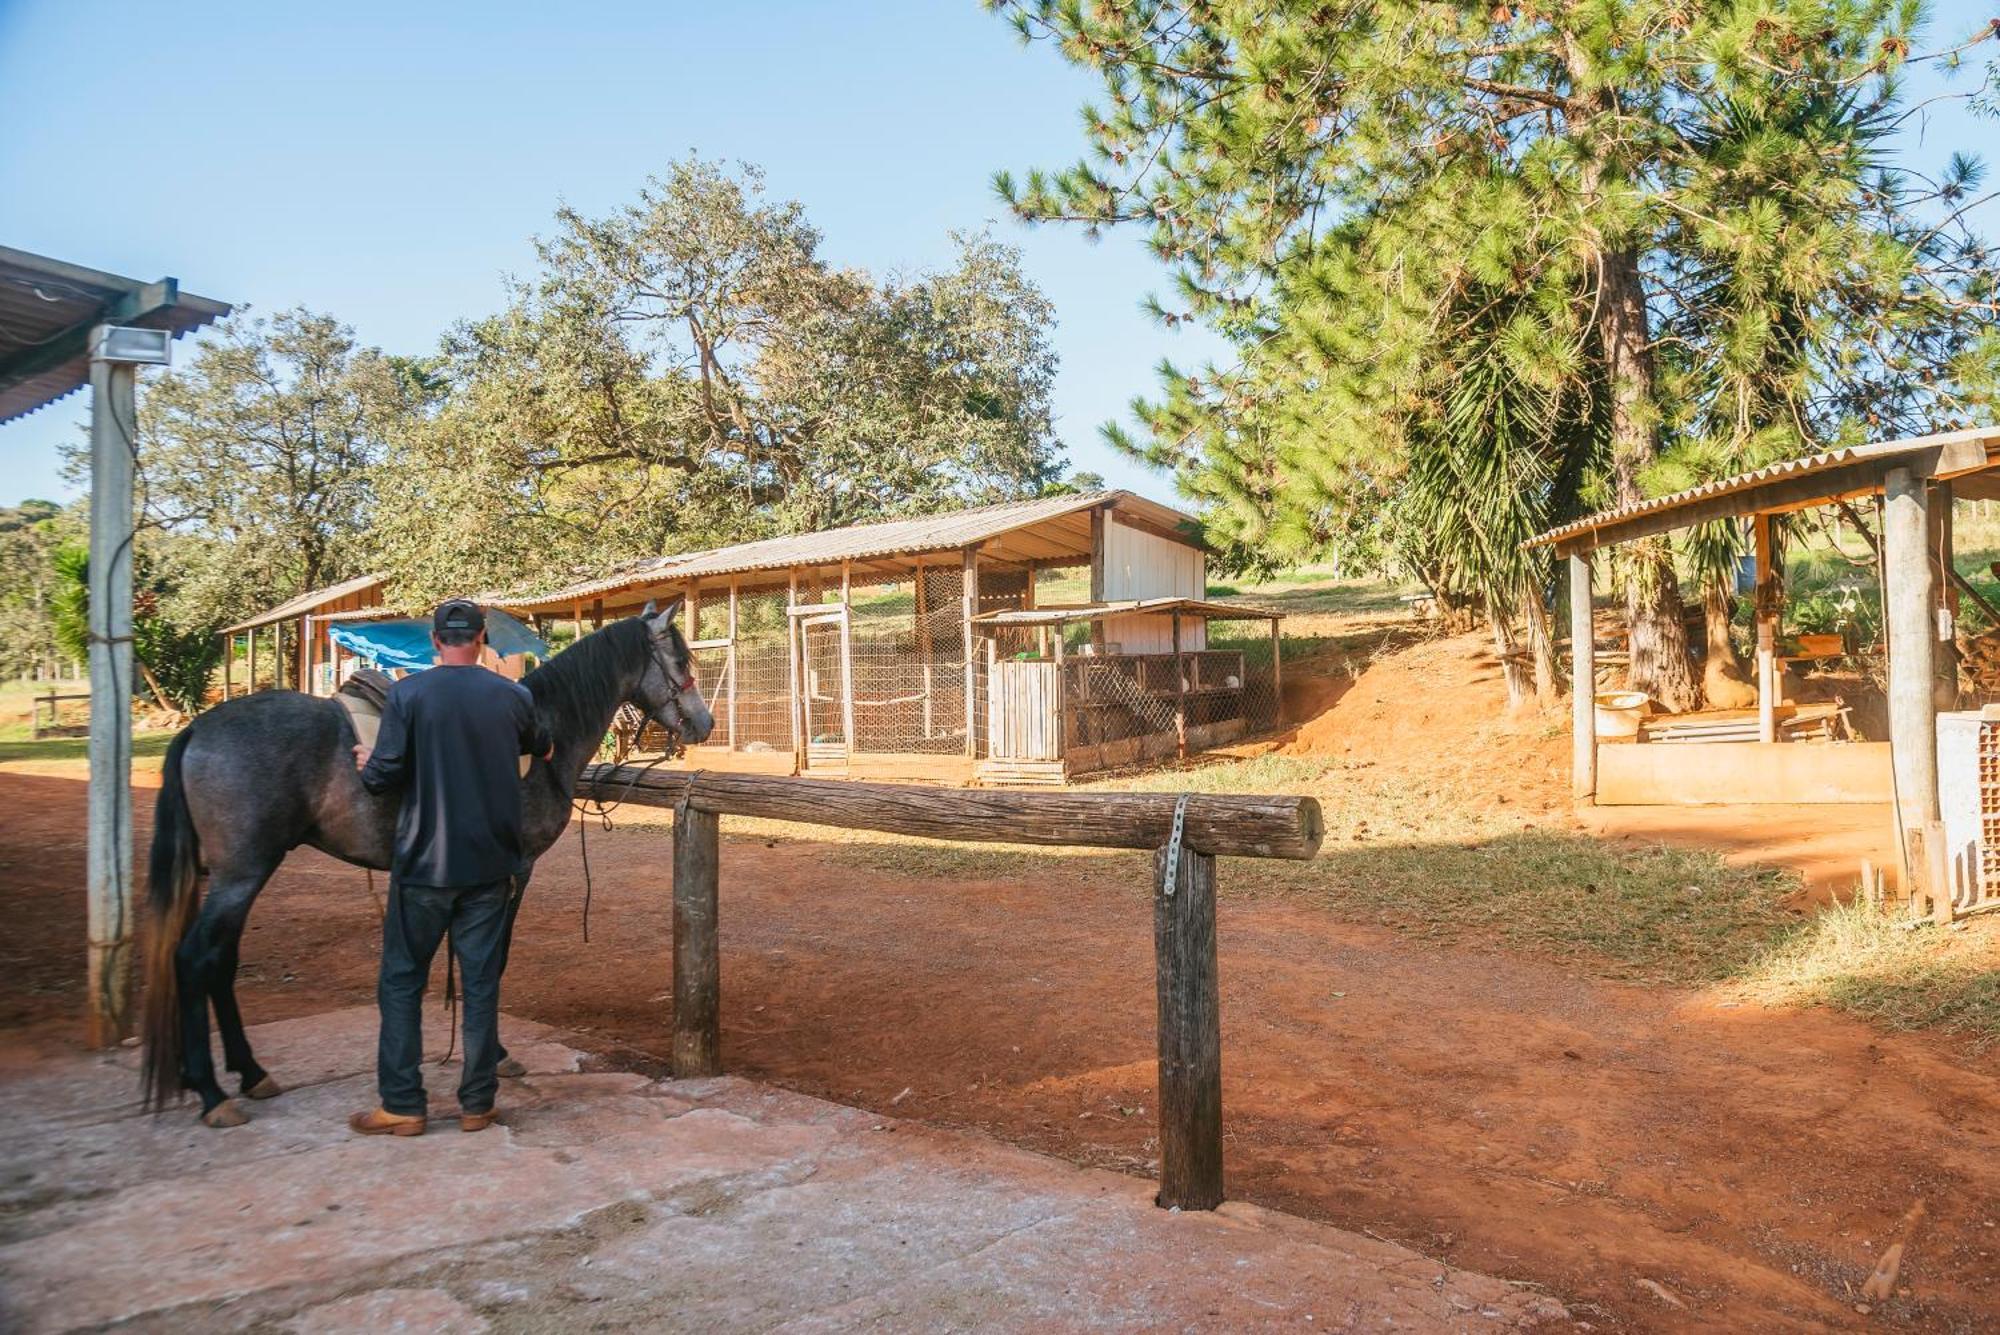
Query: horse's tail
[173,894]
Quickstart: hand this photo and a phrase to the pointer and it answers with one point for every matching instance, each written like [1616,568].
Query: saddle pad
[363,696]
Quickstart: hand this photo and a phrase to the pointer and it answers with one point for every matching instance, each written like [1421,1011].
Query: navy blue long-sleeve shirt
[451,740]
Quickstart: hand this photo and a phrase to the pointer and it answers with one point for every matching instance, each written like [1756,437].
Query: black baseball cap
[458,614]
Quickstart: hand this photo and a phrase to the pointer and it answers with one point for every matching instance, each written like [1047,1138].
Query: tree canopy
[1483,265]
[691,370]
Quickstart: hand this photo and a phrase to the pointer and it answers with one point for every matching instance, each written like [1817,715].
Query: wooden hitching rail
[1190,1014]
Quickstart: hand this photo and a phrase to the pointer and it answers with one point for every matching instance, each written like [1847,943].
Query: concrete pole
[1766,598]
[109,861]
[1912,634]
[1583,681]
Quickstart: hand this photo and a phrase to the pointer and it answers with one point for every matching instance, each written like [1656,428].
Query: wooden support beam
[250,667]
[1582,681]
[794,647]
[697,953]
[1224,824]
[1097,528]
[1180,693]
[729,666]
[228,665]
[1912,635]
[1766,600]
[969,607]
[1277,675]
[1189,1002]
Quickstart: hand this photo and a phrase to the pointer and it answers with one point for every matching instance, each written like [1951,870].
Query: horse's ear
[647,610]
[664,618]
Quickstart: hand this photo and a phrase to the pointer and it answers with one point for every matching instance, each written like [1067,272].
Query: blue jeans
[417,921]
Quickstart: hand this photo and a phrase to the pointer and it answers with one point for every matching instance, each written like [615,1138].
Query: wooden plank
[1224,824]
[797,677]
[250,668]
[1190,1031]
[697,955]
[1097,556]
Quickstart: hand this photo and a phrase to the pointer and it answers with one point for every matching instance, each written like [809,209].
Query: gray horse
[255,777]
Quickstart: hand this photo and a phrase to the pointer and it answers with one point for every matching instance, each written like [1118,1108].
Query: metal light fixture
[131,345]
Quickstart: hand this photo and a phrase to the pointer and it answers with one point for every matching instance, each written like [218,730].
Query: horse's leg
[509,1066]
[255,1081]
[198,962]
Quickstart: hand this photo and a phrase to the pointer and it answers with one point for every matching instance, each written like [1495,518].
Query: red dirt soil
[1654,1159]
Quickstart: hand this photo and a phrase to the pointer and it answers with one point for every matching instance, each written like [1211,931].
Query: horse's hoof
[513,1068]
[267,1088]
[225,1113]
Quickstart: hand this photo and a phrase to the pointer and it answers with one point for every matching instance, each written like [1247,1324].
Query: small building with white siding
[1026,642]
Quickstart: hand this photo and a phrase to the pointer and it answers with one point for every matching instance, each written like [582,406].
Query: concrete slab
[624,1203]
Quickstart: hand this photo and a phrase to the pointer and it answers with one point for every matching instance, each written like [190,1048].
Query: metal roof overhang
[1050,529]
[1795,484]
[47,310]
[306,602]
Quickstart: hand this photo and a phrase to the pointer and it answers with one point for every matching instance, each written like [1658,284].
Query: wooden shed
[314,660]
[1023,642]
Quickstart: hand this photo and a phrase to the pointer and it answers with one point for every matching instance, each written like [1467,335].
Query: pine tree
[1350,192]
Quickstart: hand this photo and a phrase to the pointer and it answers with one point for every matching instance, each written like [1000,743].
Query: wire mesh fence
[888,673]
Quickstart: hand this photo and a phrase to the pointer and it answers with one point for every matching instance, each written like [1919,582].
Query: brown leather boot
[479,1121]
[382,1122]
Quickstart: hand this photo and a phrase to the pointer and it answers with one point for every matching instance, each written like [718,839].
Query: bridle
[676,687]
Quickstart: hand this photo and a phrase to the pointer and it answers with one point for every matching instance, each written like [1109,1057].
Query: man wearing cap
[450,739]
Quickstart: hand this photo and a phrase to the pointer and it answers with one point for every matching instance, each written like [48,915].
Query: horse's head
[667,689]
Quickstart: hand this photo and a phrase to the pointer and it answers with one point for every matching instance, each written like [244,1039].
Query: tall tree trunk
[1725,679]
[1541,645]
[1505,647]
[1661,665]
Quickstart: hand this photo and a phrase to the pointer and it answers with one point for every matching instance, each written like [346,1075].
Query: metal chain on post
[1174,846]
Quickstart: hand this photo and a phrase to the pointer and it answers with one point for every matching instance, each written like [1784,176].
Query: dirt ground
[1652,1157]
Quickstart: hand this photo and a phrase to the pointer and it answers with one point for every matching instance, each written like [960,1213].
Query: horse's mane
[582,685]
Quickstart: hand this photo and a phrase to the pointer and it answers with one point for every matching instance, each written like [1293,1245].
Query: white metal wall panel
[1138,564]
[1153,633]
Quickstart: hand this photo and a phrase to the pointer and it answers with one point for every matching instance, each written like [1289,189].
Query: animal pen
[1937,771]
[1028,642]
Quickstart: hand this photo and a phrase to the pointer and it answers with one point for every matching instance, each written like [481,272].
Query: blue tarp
[406,642]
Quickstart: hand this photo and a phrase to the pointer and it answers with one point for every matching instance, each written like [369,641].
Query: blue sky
[388,163]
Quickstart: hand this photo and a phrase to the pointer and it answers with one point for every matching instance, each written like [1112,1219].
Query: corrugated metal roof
[1884,453]
[1054,616]
[857,542]
[47,309]
[306,602]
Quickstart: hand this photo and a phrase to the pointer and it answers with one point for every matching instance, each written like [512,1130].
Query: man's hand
[361,754]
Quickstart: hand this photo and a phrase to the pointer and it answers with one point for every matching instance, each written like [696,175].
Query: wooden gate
[1024,722]
[824,659]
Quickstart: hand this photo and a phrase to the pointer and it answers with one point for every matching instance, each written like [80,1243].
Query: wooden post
[1190,1031]
[576,617]
[794,646]
[697,956]
[250,668]
[1277,676]
[1582,681]
[1767,630]
[729,663]
[228,664]
[1180,694]
[1097,554]
[1912,636]
[109,860]
[969,601]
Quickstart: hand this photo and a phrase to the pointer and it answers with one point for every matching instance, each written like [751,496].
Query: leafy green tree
[690,370]
[29,533]
[262,449]
[1349,193]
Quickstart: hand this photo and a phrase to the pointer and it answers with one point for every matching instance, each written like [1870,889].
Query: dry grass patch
[1858,959]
